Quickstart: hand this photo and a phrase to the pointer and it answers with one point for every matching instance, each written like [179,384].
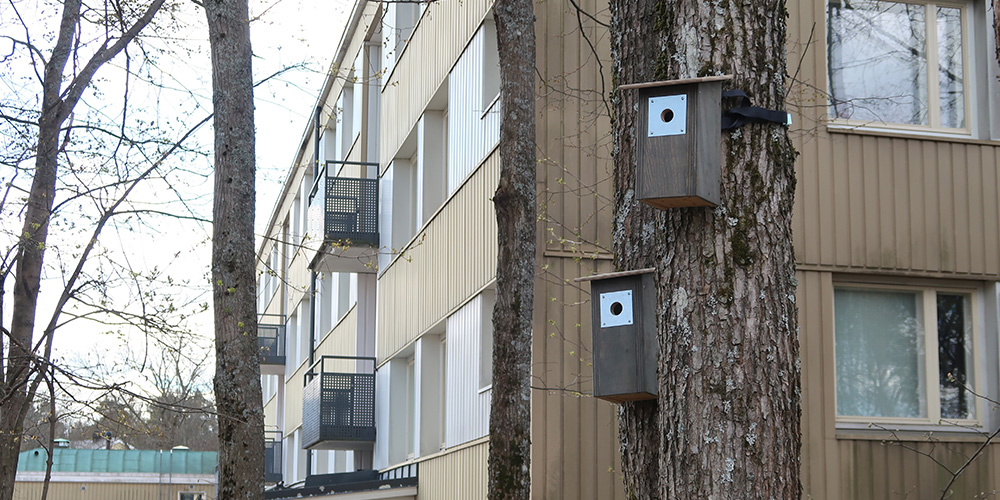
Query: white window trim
[980,356]
[972,80]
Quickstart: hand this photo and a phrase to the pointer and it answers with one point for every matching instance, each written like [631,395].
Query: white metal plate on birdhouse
[667,115]
[616,308]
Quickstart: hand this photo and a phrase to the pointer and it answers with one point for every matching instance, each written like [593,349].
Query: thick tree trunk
[726,424]
[237,366]
[510,413]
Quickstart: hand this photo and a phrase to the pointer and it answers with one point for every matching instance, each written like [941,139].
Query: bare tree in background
[63,85]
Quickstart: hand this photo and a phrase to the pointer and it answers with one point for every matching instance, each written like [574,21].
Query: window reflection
[954,356]
[879,54]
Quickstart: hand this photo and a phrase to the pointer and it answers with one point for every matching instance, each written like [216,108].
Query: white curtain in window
[879,353]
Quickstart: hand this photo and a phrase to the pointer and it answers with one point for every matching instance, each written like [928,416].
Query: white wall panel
[467,407]
[472,132]
[427,357]
[390,413]
[291,345]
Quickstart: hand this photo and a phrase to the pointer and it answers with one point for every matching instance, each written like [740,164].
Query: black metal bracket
[746,113]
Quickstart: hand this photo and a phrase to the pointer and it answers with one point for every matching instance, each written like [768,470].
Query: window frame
[970,76]
[927,295]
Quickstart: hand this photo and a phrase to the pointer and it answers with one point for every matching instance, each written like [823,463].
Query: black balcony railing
[272,456]
[349,206]
[338,407]
[271,337]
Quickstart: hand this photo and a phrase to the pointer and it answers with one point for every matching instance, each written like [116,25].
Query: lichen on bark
[726,423]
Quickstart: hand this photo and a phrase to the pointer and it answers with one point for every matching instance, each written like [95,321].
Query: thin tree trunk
[237,366]
[15,395]
[59,98]
[51,441]
[996,27]
[726,424]
[510,415]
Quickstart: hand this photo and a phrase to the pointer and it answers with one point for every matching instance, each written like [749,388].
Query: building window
[904,354]
[491,65]
[488,298]
[897,63]
[191,495]
[411,408]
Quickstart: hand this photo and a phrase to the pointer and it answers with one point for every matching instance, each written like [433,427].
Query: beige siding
[876,469]
[898,204]
[820,468]
[108,491]
[274,305]
[298,281]
[573,130]
[293,397]
[574,436]
[886,203]
[342,339]
[459,475]
[271,413]
[448,262]
[440,37]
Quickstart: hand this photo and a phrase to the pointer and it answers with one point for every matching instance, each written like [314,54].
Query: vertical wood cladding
[443,32]
[448,262]
[574,436]
[460,475]
[891,202]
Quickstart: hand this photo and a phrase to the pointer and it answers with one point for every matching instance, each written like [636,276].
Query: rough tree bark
[60,94]
[237,366]
[726,424]
[510,446]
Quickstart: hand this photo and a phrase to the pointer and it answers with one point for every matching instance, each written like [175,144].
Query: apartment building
[897,241]
[377,270]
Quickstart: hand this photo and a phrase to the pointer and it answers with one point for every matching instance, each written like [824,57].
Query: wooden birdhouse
[624,327]
[679,141]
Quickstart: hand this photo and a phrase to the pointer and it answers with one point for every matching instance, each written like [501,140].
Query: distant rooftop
[125,461]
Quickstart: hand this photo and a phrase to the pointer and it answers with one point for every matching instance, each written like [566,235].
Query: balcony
[338,404]
[344,210]
[271,337]
[272,456]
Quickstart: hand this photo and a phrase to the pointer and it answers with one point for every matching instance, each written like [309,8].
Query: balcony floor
[360,258]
